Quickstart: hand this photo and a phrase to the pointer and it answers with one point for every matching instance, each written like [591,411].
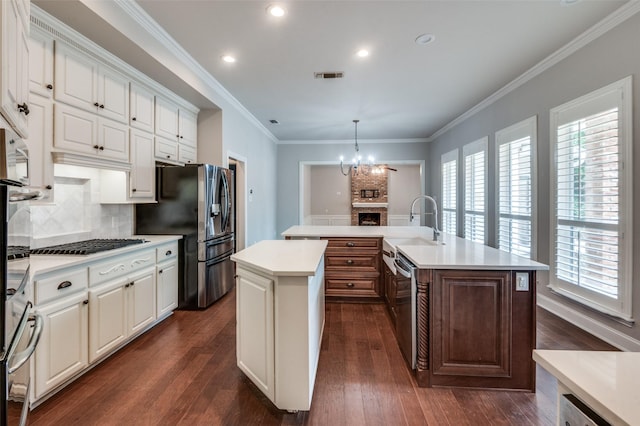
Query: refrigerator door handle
[227,203]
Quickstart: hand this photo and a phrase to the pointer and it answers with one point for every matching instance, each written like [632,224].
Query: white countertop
[41,264]
[455,253]
[283,257]
[605,381]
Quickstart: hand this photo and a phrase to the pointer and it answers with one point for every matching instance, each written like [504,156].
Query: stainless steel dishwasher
[406,293]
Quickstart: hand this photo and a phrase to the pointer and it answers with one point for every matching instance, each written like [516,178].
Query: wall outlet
[522,281]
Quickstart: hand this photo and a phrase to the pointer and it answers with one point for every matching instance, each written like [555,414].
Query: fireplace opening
[368,219]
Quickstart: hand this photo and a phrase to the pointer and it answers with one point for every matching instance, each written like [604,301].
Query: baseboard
[590,325]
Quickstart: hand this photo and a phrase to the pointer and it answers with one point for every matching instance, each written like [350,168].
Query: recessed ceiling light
[425,38]
[228,59]
[568,2]
[363,53]
[276,10]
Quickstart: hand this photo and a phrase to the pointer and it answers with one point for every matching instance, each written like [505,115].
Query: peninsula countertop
[455,253]
[283,257]
[606,381]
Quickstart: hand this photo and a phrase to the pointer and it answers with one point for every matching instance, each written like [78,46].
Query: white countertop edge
[45,263]
[586,396]
[292,258]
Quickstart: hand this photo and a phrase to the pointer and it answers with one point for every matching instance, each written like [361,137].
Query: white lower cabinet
[255,330]
[118,310]
[167,287]
[63,348]
[107,319]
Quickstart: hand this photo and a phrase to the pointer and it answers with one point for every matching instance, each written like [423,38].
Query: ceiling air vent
[329,75]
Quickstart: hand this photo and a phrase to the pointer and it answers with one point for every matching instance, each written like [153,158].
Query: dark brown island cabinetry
[352,269]
[475,329]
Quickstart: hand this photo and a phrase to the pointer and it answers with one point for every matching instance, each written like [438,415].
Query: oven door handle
[401,270]
[16,196]
[20,358]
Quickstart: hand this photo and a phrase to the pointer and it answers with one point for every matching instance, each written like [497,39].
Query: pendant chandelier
[356,165]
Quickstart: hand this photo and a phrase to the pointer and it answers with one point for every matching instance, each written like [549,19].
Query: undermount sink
[390,244]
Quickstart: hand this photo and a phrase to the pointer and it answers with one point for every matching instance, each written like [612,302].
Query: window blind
[515,196]
[474,194]
[587,199]
[449,192]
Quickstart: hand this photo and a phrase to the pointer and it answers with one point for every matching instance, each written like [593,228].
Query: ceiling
[402,90]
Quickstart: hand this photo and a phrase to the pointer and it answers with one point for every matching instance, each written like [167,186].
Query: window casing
[475,188]
[449,179]
[591,212]
[516,146]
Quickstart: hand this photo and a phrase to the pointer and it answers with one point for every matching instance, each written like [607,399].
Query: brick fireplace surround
[360,182]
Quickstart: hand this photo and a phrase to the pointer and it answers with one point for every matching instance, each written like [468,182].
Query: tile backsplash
[76,213]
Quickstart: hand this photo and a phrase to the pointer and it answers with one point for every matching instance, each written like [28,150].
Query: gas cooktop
[87,247]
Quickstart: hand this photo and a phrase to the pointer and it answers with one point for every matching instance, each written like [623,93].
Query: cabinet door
[471,325]
[141,108]
[76,78]
[188,128]
[62,350]
[75,130]
[113,139]
[166,150]
[40,142]
[186,154]
[41,65]
[107,319]
[14,78]
[167,288]
[113,95]
[166,119]
[255,330]
[143,166]
[141,301]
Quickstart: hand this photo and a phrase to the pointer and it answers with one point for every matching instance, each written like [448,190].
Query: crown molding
[350,141]
[210,86]
[614,19]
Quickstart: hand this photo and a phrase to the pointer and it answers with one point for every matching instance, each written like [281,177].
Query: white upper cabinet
[142,108]
[14,54]
[188,128]
[84,83]
[40,142]
[41,65]
[142,175]
[166,119]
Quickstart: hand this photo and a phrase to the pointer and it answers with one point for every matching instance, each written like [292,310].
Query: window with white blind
[475,178]
[591,189]
[449,178]
[515,198]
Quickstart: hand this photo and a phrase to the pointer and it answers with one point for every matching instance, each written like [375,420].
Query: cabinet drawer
[61,284]
[167,251]
[356,263]
[361,287]
[351,243]
[121,265]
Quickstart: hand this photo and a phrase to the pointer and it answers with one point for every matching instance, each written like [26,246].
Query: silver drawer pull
[351,244]
[168,253]
[64,284]
[349,262]
[350,285]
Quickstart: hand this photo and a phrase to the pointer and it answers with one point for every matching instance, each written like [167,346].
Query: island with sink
[464,313]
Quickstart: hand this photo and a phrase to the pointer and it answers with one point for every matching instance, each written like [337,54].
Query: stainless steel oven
[20,328]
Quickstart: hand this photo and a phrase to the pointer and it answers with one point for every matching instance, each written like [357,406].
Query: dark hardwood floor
[184,371]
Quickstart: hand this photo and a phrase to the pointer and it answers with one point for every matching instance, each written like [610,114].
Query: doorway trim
[241,198]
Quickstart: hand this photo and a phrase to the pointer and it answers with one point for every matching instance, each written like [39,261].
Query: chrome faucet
[436,231]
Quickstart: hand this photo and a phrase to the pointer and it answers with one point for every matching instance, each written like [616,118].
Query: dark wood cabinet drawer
[352,263]
[353,243]
[362,287]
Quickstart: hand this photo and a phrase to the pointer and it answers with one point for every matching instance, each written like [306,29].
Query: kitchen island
[280,318]
[606,382]
[473,322]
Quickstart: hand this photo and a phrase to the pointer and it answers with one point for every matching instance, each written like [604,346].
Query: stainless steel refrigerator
[197,202]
